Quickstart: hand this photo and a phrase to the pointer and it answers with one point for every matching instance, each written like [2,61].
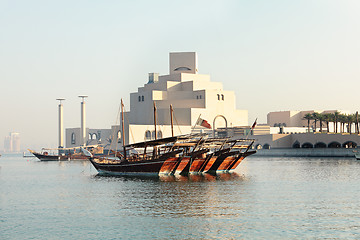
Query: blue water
[267,198]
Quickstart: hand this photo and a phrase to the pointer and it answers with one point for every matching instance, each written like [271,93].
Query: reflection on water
[276,198]
[201,177]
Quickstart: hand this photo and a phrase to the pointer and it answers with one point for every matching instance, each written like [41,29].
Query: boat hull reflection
[199,177]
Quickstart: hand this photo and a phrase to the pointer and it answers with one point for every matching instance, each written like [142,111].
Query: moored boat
[45,156]
[65,154]
[186,154]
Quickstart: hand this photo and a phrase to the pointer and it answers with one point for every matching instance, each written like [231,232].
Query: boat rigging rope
[131,133]
[113,135]
[177,124]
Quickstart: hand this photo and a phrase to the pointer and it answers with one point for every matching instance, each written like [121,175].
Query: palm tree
[315,116]
[336,117]
[350,120]
[342,119]
[308,117]
[321,118]
[327,118]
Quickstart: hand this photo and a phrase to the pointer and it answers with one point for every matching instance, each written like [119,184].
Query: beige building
[295,118]
[93,136]
[288,129]
[307,140]
[191,94]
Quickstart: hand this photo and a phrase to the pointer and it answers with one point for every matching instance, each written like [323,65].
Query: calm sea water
[267,198]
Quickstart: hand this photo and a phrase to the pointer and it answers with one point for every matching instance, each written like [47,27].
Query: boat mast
[122,125]
[357,122]
[171,120]
[155,120]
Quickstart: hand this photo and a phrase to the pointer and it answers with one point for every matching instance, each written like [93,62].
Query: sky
[275,55]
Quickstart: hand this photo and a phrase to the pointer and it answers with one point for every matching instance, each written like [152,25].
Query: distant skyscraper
[12,142]
[7,144]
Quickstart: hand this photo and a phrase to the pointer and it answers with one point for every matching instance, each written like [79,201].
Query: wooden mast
[171,120]
[155,148]
[122,125]
[155,120]
[357,122]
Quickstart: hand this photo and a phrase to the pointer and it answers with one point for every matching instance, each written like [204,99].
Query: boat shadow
[201,177]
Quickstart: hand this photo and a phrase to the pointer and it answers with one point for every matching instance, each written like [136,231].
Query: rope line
[113,133]
[177,124]
[131,133]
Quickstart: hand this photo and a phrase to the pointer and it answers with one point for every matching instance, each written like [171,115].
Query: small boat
[66,154]
[45,156]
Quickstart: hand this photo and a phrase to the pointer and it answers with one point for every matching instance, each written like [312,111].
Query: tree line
[338,120]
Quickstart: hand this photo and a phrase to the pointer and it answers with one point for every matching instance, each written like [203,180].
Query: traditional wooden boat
[64,154]
[45,155]
[175,155]
[193,153]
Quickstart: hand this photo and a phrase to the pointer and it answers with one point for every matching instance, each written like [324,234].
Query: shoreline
[306,152]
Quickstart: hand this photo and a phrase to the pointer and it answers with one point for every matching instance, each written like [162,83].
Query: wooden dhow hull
[43,157]
[170,165]
[47,158]
[125,167]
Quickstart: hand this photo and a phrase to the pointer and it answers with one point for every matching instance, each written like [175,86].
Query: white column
[83,121]
[61,126]
[61,123]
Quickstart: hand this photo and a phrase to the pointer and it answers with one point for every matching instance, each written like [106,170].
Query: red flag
[203,123]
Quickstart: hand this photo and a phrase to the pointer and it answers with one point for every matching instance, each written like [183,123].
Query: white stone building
[191,94]
[288,129]
[295,118]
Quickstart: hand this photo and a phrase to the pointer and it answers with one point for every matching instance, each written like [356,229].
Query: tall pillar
[61,123]
[83,121]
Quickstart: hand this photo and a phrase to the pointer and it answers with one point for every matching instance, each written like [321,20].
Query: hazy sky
[275,55]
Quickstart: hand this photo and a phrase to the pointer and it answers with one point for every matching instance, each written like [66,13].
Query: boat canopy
[162,141]
[71,148]
[157,142]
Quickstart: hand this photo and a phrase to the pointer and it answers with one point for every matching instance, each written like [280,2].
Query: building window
[139,98]
[142,98]
[218,97]
[222,97]
[147,135]
[159,134]
[200,96]
[153,135]
[197,97]
[73,138]
[94,136]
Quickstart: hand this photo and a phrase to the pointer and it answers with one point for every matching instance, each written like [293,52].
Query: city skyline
[276,55]
[12,143]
